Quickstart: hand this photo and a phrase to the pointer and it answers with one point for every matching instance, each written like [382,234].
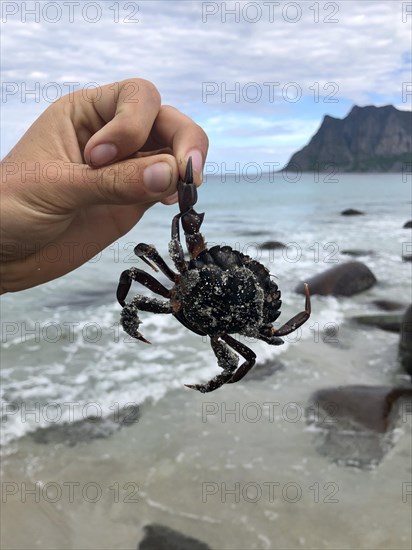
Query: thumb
[143,180]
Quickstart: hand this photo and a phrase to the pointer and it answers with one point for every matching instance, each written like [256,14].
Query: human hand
[85,172]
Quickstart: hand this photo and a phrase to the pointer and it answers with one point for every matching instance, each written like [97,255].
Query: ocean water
[65,358]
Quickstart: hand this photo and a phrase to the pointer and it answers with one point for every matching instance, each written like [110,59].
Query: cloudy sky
[258,76]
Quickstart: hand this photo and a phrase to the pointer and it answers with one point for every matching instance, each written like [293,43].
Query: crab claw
[197,387]
[189,172]
[142,338]
[187,193]
[130,323]
[186,189]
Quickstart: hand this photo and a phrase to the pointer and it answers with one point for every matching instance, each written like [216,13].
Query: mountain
[368,139]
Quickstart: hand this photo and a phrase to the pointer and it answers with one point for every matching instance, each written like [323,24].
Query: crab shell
[225,292]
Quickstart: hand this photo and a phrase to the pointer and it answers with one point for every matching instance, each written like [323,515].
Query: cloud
[299,55]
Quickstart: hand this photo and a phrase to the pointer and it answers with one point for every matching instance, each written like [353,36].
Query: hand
[85,172]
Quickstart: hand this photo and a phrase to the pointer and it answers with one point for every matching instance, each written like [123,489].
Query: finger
[128,109]
[134,181]
[171,199]
[186,138]
[166,150]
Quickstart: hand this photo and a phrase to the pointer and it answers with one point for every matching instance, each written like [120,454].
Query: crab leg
[175,246]
[297,320]
[129,317]
[189,218]
[134,274]
[226,359]
[246,352]
[144,251]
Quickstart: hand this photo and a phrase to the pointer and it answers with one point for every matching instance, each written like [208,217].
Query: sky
[258,76]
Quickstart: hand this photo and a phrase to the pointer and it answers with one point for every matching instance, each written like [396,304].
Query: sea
[84,404]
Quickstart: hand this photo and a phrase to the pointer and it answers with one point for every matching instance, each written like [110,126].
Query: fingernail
[197,160]
[103,154]
[157,177]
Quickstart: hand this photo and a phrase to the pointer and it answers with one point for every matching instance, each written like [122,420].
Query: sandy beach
[210,467]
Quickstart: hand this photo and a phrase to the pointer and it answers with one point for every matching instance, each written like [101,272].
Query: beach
[101,438]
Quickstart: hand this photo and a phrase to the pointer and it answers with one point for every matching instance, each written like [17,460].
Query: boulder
[352,212]
[331,335]
[344,279]
[254,233]
[88,428]
[272,245]
[357,252]
[408,225]
[389,321]
[355,425]
[388,305]
[82,298]
[160,537]
[264,370]
[405,342]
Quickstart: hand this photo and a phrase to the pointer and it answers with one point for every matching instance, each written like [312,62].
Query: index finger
[184,137]
[119,118]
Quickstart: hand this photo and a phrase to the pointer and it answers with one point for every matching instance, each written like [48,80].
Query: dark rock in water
[405,342]
[352,212]
[357,252]
[355,424]
[342,280]
[87,429]
[272,245]
[263,370]
[388,305]
[407,257]
[330,336]
[408,225]
[160,537]
[82,299]
[254,233]
[390,321]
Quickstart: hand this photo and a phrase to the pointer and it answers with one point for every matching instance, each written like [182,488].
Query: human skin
[85,172]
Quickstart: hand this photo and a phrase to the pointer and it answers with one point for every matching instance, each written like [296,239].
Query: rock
[272,245]
[357,252]
[407,257]
[342,280]
[264,370]
[368,139]
[352,212]
[160,537]
[87,429]
[408,225]
[82,299]
[356,424]
[388,305]
[331,336]
[254,233]
[390,322]
[405,342]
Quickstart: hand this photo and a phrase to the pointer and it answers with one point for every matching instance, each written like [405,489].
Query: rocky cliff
[368,139]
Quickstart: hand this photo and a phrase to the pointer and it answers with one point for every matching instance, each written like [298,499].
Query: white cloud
[361,56]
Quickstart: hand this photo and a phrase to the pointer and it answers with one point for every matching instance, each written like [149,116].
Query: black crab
[218,292]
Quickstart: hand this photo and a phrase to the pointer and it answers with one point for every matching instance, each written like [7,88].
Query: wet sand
[232,480]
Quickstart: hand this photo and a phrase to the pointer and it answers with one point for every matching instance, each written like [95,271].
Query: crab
[217,293]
